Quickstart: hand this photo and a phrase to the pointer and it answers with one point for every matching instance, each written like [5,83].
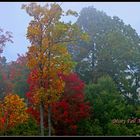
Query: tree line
[75,79]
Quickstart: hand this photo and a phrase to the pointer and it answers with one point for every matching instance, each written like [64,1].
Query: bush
[89,127]
[27,129]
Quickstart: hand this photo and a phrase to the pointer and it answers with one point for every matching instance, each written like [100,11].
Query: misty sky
[14,19]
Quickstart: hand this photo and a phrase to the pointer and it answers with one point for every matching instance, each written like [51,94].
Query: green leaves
[73,13]
[107,102]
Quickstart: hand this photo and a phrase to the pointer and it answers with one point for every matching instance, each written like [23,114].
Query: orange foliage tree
[48,55]
[12,112]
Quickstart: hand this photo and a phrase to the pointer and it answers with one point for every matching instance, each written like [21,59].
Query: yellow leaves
[85,37]
[13,101]
[59,60]
[48,53]
[13,111]
[60,86]
[33,31]
[40,92]
[54,91]
[38,95]
[45,42]
[44,75]
[32,48]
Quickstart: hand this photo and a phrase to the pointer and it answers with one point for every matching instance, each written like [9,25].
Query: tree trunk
[49,119]
[42,119]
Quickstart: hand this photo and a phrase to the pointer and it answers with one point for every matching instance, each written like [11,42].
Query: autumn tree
[68,110]
[13,76]
[17,72]
[12,112]
[48,55]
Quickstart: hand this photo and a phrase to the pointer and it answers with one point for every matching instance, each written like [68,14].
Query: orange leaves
[48,53]
[13,111]
[34,75]
[45,42]
[32,56]
[52,88]
[34,31]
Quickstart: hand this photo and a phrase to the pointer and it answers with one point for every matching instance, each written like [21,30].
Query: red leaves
[70,109]
[73,83]
[4,76]
[33,80]
[34,113]
[17,67]
[2,121]
[33,77]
